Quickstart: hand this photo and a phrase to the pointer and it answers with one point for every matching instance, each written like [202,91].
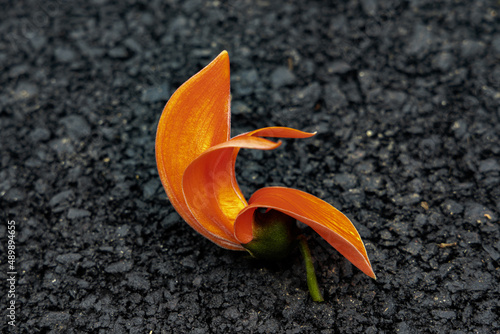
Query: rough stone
[406,147]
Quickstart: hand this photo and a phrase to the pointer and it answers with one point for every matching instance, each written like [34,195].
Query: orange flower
[196,156]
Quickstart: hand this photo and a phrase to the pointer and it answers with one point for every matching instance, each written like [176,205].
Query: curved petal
[210,187]
[279,132]
[331,224]
[196,117]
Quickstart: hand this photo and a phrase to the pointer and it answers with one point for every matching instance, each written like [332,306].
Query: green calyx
[274,235]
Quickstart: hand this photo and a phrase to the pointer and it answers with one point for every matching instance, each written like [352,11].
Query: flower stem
[312,283]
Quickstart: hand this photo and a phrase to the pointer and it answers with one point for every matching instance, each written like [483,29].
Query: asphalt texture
[404,95]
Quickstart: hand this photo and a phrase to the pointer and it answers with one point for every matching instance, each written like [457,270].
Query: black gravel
[405,96]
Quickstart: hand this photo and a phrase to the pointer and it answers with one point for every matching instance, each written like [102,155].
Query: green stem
[312,282]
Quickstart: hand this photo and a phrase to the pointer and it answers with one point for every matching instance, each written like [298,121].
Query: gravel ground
[405,96]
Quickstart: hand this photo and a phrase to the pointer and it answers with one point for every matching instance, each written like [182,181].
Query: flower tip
[370,273]
[224,55]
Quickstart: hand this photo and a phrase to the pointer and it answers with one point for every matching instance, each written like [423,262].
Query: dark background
[405,96]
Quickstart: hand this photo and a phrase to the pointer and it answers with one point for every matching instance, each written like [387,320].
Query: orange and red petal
[210,186]
[279,132]
[211,190]
[331,224]
[196,117]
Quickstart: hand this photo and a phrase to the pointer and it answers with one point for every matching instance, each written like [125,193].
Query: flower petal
[196,117]
[279,132]
[210,187]
[331,224]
